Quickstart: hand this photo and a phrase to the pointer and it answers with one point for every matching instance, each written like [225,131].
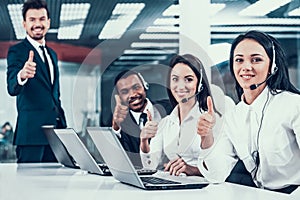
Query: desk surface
[52,181]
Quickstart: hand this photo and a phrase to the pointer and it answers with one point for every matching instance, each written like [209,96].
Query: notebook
[80,153]
[123,170]
[58,148]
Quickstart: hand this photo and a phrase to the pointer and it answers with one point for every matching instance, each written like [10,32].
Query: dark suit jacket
[38,101]
[130,131]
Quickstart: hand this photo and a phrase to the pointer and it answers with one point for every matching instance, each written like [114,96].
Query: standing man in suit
[131,110]
[32,76]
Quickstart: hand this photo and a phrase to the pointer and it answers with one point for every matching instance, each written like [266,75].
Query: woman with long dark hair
[263,131]
[175,145]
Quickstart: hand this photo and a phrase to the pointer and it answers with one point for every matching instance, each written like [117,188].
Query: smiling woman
[175,145]
[250,65]
[260,139]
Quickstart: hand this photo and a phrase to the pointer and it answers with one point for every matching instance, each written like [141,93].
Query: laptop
[58,148]
[123,170]
[80,153]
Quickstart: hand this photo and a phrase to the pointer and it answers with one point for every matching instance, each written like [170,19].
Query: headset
[145,84]
[200,81]
[199,89]
[274,67]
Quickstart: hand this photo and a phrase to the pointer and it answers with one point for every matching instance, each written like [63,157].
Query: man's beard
[39,37]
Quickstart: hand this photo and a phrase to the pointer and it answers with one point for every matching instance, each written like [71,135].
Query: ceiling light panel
[15,12]
[154,44]
[122,17]
[139,57]
[166,21]
[72,18]
[162,29]
[150,51]
[159,36]
[263,7]
[172,10]
[295,12]
[215,8]
[136,63]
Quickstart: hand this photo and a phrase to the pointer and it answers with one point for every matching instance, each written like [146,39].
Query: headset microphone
[274,69]
[200,88]
[254,86]
[184,100]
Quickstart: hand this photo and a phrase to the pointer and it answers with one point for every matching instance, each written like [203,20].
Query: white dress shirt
[173,139]
[271,126]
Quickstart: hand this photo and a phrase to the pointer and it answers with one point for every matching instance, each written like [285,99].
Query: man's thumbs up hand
[29,67]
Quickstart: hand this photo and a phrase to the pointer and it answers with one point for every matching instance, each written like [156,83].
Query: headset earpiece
[274,68]
[145,84]
[200,82]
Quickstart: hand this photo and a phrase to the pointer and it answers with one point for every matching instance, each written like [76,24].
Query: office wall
[7,103]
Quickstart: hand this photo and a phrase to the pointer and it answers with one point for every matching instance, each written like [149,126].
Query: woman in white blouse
[263,131]
[175,145]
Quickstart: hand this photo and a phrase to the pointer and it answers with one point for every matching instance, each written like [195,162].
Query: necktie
[142,120]
[46,62]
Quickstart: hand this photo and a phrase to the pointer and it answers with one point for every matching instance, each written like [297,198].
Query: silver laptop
[58,148]
[123,170]
[80,153]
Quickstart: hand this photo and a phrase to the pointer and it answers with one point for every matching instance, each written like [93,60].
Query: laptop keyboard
[104,168]
[155,180]
[146,171]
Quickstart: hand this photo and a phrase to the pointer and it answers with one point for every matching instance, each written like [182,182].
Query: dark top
[130,132]
[38,101]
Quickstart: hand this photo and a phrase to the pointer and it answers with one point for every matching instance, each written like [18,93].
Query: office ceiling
[121,53]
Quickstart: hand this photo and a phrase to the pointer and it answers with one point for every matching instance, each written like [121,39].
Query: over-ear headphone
[145,84]
[274,68]
[200,81]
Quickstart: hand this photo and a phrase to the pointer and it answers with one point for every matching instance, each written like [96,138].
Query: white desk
[51,181]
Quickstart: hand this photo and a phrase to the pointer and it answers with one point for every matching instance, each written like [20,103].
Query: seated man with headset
[130,112]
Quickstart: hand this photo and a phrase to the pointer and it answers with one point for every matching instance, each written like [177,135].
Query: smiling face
[250,64]
[36,23]
[183,82]
[132,92]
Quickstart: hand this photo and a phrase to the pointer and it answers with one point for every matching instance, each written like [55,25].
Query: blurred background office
[96,39]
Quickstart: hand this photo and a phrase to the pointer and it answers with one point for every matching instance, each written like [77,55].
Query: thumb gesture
[207,120]
[149,116]
[29,67]
[30,57]
[118,99]
[150,128]
[120,113]
[210,106]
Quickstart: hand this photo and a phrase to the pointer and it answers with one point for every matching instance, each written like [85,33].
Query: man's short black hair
[34,4]
[124,74]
